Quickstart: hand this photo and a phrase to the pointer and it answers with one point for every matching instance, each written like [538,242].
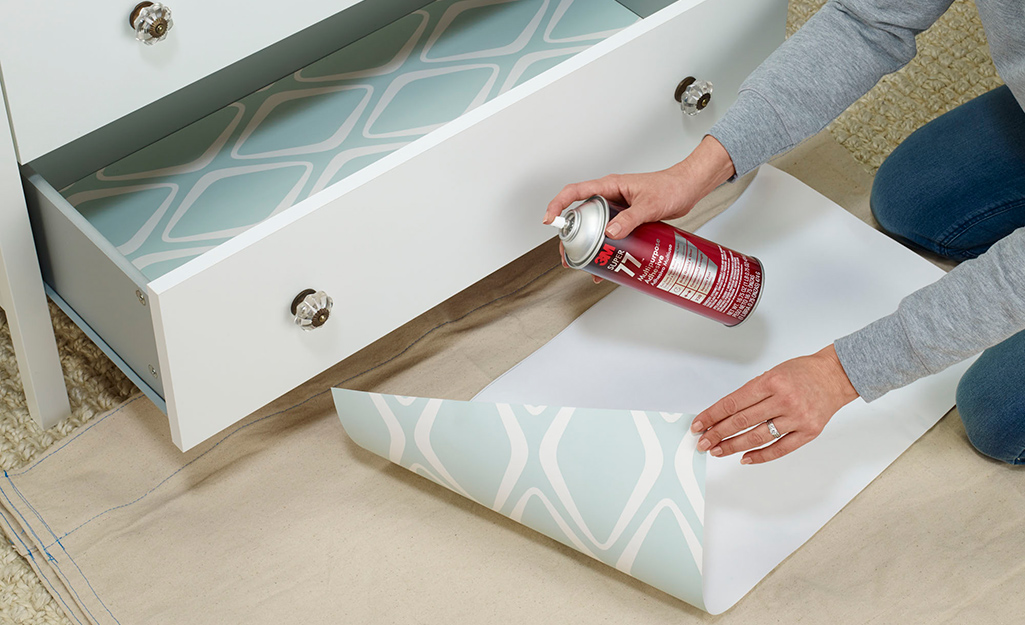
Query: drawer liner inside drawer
[191,191]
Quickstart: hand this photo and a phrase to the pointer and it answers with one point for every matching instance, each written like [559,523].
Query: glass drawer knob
[693,95]
[151,21]
[311,309]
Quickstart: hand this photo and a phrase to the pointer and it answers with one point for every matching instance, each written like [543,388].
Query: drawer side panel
[84,272]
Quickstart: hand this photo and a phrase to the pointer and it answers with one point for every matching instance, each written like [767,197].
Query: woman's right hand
[654,196]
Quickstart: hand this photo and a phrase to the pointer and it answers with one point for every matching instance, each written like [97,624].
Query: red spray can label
[663,261]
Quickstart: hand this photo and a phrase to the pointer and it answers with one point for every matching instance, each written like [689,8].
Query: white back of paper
[827,274]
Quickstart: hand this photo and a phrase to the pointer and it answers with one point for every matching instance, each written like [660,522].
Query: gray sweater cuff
[980,303]
[883,347]
[751,131]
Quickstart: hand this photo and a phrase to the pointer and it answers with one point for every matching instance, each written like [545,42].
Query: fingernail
[703,444]
[746,461]
[613,230]
[716,452]
[696,426]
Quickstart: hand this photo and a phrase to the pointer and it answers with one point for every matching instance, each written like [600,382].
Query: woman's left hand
[800,396]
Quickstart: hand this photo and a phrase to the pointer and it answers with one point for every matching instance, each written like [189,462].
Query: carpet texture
[952,67]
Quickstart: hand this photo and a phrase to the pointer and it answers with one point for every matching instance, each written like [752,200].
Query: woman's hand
[800,396]
[655,196]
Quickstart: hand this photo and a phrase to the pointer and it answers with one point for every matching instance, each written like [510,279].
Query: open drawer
[389,212]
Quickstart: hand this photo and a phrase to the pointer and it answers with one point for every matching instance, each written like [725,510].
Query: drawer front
[63,53]
[416,227]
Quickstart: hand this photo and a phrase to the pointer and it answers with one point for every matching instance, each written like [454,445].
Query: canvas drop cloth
[282,519]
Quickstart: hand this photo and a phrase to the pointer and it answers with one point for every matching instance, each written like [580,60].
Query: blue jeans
[955,187]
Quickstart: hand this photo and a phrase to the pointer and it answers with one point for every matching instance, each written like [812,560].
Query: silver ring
[772,429]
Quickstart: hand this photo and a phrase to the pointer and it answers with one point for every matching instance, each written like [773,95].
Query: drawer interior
[171,201]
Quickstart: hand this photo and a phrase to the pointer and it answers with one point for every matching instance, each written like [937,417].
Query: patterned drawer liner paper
[196,188]
[625,487]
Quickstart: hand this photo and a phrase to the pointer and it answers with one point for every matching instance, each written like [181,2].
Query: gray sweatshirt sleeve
[839,55]
[978,304]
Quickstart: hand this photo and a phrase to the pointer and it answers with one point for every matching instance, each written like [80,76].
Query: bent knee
[992,426]
[903,202]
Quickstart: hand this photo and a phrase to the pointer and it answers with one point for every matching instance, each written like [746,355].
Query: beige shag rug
[953,66]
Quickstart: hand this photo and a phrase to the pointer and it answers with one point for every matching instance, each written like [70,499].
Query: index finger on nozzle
[558,204]
[571,193]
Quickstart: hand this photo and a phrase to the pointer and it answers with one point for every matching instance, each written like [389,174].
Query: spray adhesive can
[668,263]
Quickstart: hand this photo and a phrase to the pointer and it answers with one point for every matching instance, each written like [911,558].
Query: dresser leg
[22,297]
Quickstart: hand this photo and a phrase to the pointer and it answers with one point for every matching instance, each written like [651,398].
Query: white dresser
[195,194]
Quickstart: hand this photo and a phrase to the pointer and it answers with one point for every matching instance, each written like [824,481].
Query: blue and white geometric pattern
[202,185]
[624,487]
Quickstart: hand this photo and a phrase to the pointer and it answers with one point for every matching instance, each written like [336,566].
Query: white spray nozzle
[559,222]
